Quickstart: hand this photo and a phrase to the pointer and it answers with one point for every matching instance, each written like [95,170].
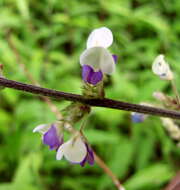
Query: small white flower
[96,55]
[161,68]
[74,150]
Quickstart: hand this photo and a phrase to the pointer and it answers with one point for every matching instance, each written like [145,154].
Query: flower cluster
[76,150]
[96,60]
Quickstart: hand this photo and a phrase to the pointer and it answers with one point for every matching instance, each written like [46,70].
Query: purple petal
[115,58]
[90,76]
[89,157]
[52,139]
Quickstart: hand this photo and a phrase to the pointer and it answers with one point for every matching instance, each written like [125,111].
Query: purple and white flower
[96,59]
[161,68]
[76,151]
[138,117]
[51,135]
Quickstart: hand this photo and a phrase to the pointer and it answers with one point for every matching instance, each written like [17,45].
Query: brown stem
[115,180]
[174,88]
[107,103]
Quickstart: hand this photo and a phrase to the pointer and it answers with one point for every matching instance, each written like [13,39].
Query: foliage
[49,36]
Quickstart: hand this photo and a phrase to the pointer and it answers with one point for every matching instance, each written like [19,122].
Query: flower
[161,68]
[76,151]
[51,135]
[96,59]
[138,117]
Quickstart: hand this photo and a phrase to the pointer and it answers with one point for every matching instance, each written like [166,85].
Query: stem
[107,103]
[175,91]
[115,180]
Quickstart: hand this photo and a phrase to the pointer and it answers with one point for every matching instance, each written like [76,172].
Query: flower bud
[159,96]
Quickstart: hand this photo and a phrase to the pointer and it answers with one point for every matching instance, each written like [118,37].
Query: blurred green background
[49,36]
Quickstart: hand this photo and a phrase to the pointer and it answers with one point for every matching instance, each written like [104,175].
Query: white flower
[74,150]
[161,68]
[96,55]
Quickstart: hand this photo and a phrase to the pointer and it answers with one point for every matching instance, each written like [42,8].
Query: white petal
[99,58]
[107,63]
[43,128]
[160,67]
[73,151]
[60,151]
[101,37]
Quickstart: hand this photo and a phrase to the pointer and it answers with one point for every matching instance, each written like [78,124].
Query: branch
[115,180]
[107,103]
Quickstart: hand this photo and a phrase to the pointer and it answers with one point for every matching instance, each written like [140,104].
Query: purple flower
[89,157]
[51,135]
[138,117]
[90,76]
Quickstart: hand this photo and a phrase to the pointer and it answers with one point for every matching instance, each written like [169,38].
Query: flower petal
[43,128]
[52,138]
[115,58]
[99,59]
[101,37]
[60,151]
[73,150]
[90,155]
[90,76]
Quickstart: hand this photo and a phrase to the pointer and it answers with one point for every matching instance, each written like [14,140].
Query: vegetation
[48,37]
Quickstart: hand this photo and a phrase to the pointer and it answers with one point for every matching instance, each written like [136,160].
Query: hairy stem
[108,103]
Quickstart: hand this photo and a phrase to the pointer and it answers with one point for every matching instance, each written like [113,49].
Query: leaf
[152,176]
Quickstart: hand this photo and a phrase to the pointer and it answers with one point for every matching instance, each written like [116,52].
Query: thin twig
[101,163]
[174,88]
[105,102]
